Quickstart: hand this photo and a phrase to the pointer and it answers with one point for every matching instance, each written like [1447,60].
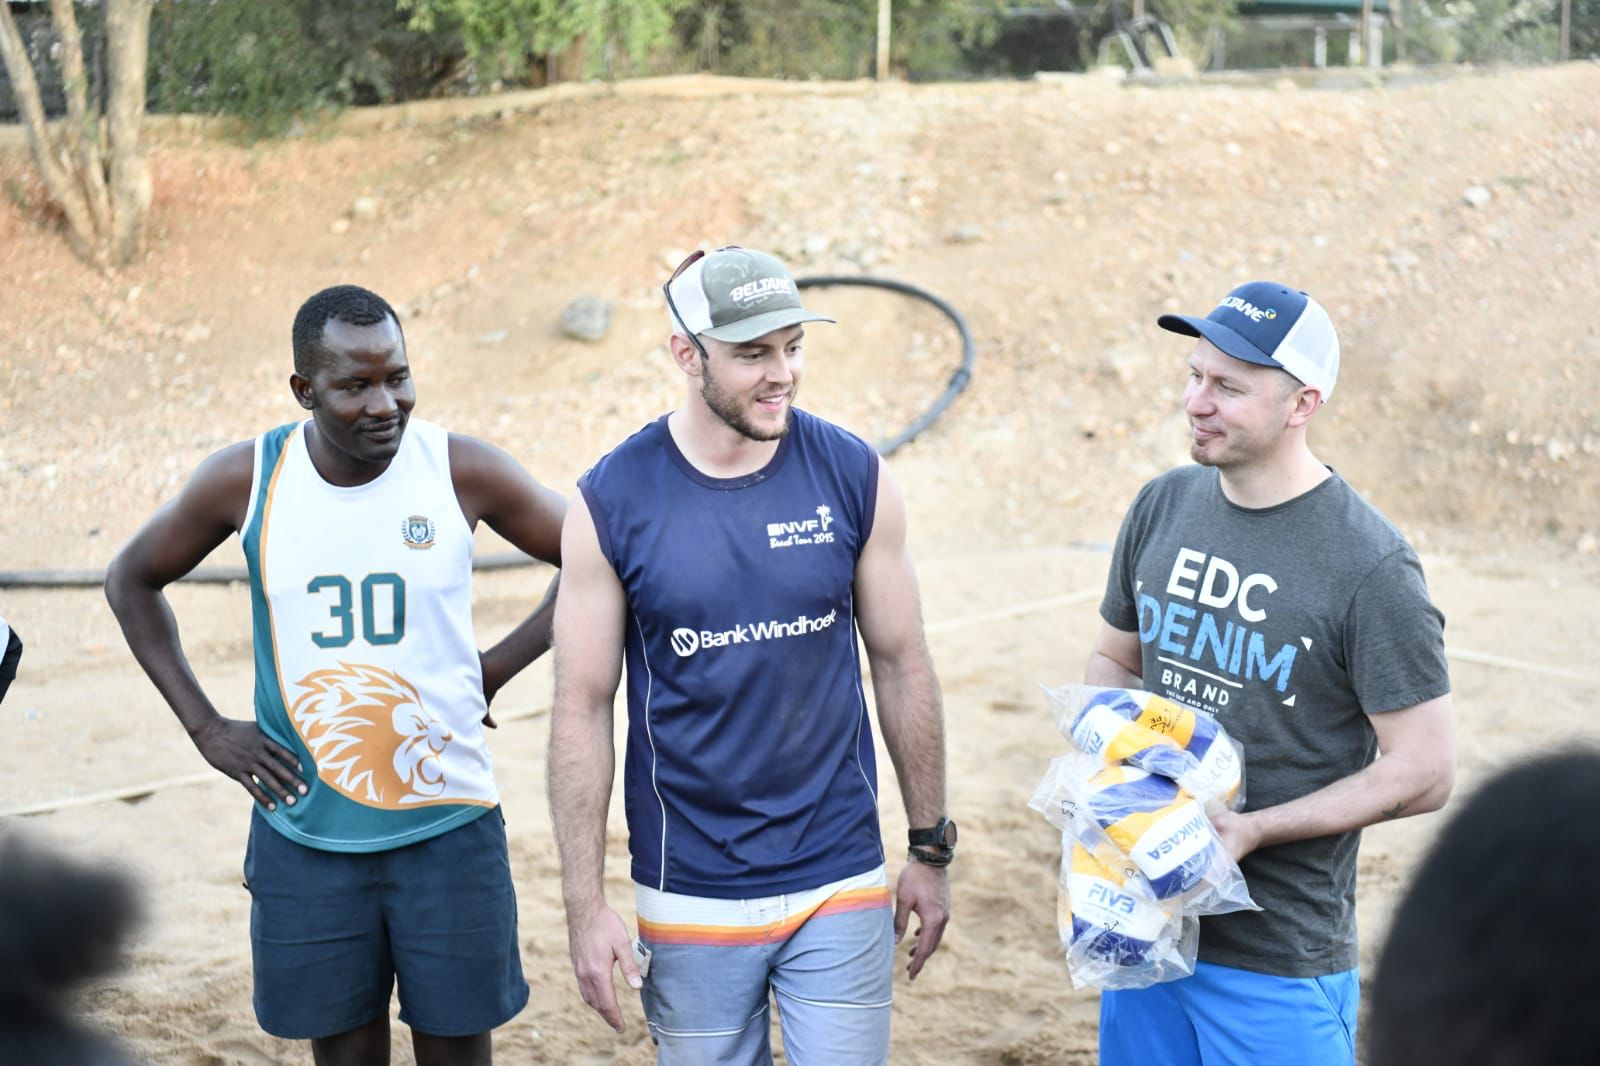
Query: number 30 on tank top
[378,591]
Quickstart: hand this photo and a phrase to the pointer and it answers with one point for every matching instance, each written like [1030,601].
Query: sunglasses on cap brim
[666,290]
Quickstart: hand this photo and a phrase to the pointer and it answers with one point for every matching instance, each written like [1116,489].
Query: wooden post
[883,39]
[1566,29]
[1365,31]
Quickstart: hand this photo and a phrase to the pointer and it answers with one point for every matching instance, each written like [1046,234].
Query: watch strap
[931,856]
[934,836]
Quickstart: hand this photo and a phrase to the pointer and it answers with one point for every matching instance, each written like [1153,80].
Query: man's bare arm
[171,543]
[589,618]
[1115,661]
[494,488]
[910,710]
[1414,774]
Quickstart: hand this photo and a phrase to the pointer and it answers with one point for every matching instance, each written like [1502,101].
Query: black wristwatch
[935,846]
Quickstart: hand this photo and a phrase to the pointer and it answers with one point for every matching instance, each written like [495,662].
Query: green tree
[267,62]
[92,163]
[1506,31]
[1195,24]
[503,37]
[1585,28]
[834,38]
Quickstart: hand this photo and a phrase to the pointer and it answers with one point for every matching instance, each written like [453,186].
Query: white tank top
[366,662]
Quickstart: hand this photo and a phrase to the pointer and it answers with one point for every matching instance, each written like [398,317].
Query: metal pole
[883,39]
[1566,28]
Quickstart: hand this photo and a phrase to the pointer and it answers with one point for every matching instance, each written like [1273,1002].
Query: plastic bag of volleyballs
[1120,725]
[1114,933]
[1126,813]
[1057,797]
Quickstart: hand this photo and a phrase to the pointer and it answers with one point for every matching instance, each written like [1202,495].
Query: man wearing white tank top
[377,849]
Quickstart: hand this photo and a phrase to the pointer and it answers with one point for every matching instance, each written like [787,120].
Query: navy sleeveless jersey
[749,768]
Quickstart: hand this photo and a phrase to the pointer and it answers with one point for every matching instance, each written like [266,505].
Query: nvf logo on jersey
[417,531]
[805,531]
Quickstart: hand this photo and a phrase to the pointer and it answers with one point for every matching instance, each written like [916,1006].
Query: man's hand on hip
[924,890]
[265,768]
[599,941]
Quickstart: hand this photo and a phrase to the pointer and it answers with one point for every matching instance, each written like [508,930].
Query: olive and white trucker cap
[1269,324]
[735,295]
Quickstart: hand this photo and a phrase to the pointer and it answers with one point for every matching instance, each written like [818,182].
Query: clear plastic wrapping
[1120,725]
[1141,861]
[1114,933]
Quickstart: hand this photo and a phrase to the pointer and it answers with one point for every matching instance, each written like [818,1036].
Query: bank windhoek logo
[370,735]
[417,531]
[686,641]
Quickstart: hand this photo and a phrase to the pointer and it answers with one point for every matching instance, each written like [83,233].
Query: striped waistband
[672,918]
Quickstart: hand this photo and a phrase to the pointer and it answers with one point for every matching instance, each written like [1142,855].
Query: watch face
[949,840]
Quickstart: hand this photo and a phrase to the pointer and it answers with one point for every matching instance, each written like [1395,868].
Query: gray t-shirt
[1291,624]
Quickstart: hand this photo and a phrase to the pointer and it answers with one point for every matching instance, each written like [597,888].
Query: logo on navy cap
[1249,310]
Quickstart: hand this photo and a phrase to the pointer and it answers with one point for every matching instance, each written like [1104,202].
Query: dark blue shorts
[331,932]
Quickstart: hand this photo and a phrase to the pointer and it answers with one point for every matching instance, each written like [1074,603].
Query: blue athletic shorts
[1221,1015]
[331,932]
[825,956]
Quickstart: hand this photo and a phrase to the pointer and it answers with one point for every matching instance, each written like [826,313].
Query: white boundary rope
[1049,603]
[1003,613]
[134,792]
[1483,658]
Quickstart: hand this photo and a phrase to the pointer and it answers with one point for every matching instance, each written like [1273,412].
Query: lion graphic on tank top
[370,735]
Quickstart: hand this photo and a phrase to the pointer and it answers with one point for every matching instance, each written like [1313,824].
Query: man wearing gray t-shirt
[1259,587]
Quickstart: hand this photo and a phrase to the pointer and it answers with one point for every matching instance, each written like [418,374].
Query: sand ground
[1466,412]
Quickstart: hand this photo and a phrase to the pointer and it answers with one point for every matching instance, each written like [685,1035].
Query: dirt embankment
[1061,218]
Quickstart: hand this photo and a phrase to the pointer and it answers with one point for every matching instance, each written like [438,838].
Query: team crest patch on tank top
[417,531]
[370,735]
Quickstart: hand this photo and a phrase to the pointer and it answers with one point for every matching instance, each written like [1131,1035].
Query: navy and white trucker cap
[736,295]
[1269,324]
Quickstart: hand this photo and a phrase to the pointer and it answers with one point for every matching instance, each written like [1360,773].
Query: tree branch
[128,43]
[83,139]
[57,181]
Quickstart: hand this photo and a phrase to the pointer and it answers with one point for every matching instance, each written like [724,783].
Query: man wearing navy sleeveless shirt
[729,553]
